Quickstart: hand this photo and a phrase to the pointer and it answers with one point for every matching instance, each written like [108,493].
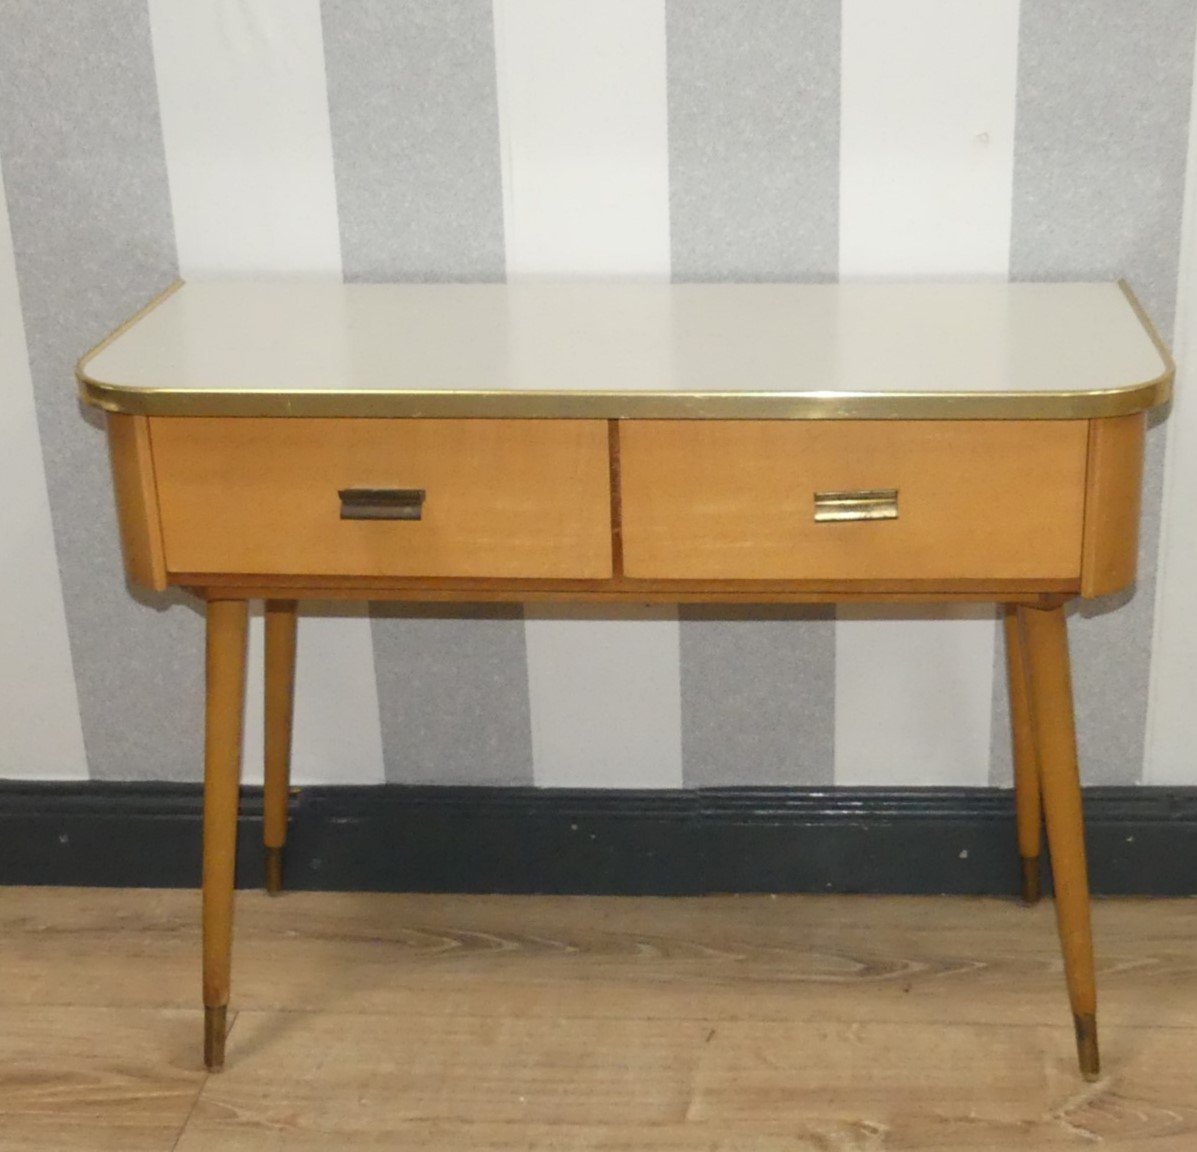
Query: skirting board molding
[519,840]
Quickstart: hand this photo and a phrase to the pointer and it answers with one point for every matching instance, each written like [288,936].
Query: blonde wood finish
[743,1022]
[1044,635]
[616,500]
[1113,493]
[515,498]
[995,500]
[650,475]
[281,622]
[793,959]
[136,500]
[96,1078]
[637,591]
[1026,759]
[227,627]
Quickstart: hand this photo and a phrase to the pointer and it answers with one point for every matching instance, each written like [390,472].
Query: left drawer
[501,498]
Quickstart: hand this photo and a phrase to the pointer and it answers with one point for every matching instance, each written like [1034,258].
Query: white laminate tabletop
[628,349]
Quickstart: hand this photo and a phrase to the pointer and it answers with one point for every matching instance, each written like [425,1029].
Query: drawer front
[502,498]
[736,500]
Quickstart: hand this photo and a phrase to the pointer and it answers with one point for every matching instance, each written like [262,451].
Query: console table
[633,442]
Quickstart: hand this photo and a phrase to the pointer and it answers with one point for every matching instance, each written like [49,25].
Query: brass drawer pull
[866,504]
[382,503]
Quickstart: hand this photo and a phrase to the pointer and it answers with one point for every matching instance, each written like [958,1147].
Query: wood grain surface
[227,632]
[375,1021]
[1113,495]
[509,498]
[719,499]
[134,481]
[278,712]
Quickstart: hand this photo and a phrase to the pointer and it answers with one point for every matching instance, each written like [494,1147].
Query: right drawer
[738,500]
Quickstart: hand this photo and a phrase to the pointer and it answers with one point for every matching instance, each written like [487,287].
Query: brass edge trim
[629,406]
[87,383]
[636,406]
[1165,380]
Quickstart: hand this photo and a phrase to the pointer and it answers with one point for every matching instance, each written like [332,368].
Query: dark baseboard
[390,838]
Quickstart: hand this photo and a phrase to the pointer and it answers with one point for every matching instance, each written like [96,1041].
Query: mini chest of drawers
[854,504]
[624,442]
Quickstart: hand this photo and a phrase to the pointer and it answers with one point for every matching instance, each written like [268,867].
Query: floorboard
[404,1021]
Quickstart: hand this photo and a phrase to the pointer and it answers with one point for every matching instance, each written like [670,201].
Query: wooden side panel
[735,500]
[137,500]
[1113,494]
[503,498]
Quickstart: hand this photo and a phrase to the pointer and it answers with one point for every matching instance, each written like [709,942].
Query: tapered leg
[227,622]
[280,707]
[1026,762]
[1044,637]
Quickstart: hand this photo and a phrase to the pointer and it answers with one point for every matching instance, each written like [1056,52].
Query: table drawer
[736,500]
[511,498]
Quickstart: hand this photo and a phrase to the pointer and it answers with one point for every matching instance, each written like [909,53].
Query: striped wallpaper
[498,139]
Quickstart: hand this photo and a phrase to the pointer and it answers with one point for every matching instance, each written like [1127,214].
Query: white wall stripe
[913,695]
[41,734]
[927,137]
[926,167]
[1171,717]
[605,696]
[245,120]
[337,729]
[249,155]
[583,133]
[584,137]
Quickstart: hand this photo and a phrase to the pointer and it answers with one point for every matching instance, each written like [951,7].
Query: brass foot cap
[1086,1045]
[1031,887]
[274,871]
[214,1033]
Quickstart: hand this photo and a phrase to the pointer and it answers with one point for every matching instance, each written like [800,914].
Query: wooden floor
[396,1022]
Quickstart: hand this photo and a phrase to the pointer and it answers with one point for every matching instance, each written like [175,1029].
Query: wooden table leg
[280,705]
[227,626]
[1026,762]
[1044,635]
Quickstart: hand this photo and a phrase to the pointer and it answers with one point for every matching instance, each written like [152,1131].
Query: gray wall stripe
[90,210]
[757,695]
[1099,164]
[415,135]
[453,694]
[754,137]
